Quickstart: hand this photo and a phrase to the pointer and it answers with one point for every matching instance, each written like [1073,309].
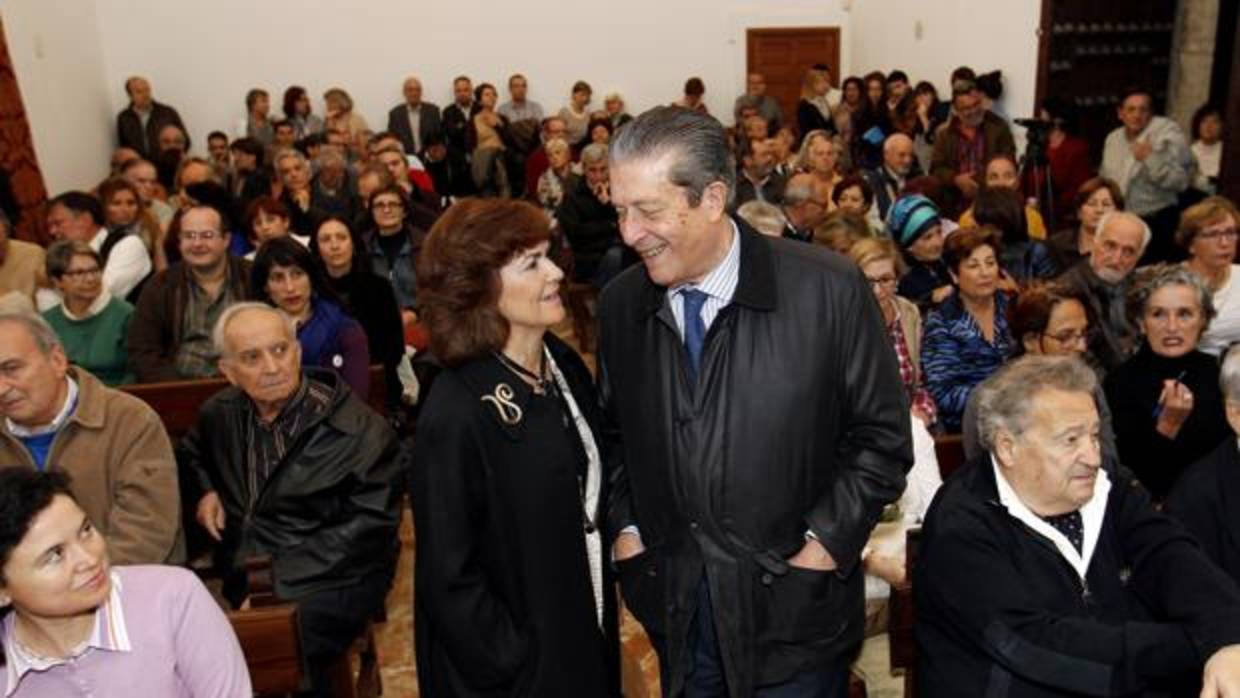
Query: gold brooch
[509,412]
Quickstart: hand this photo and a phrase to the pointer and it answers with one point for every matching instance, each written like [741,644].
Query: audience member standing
[519,106]
[414,121]
[576,114]
[456,116]
[768,107]
[1207,147]
[138,125]
[1149,158]
[966,144]
[257,122]
[298,110]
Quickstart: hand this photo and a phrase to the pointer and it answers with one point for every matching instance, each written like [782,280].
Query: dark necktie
[695,328]
[1071,526]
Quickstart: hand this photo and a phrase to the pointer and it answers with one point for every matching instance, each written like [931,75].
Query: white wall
[203,57]
[928,40]
[57,56]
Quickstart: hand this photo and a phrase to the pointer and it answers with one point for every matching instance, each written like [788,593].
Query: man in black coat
[293,465]
[139,124]
[1044,572]
[402,118]
[756,397]
[590,223]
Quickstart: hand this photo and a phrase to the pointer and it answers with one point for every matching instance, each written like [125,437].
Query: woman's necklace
[540,381]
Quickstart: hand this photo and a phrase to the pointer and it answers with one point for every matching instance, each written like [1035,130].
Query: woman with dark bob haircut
[70,620]
[285,275]
[513,593]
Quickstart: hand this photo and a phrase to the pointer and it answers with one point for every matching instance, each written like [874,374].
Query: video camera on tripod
[1035,165]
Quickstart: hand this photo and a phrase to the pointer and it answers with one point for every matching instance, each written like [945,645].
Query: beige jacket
[124,475]
[910,324]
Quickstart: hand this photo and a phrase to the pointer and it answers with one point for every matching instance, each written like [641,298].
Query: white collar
[96,307]
[1092,515]
[71,398]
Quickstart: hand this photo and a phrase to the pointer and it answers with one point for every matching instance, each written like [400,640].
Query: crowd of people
[791,308]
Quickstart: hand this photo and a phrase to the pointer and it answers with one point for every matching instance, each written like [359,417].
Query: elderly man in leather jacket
[1044,571]
[756,401]
[291,464]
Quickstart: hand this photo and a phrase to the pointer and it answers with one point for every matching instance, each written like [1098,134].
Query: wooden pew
[950,452]
[903,644]
[177,402]
[272,648]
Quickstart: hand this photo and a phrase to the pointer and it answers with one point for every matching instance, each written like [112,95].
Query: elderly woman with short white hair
[1165,400]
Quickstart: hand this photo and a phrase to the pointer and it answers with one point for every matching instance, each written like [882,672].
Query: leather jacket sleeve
[876,447]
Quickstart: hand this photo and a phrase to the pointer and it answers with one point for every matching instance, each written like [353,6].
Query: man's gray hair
[697,141]
[798,190]
[1005,400]
[328,157]
[219,335]
[1111,216]
[765,217]
[286,153]
[594,153]
[1149,279]
[42,333]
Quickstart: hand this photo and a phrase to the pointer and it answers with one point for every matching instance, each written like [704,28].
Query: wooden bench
[950,452]
[903,643]
[177,402]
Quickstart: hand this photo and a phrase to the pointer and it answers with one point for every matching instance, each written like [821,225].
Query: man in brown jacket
[111,444]
[965,144]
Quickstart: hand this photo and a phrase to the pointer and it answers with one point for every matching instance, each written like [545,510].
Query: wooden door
[783,55]
[17,159]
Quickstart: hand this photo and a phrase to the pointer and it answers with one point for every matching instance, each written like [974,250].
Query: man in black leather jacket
[761,434]
[291,464]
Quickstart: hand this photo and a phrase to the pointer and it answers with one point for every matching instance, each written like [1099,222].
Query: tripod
[1035,172]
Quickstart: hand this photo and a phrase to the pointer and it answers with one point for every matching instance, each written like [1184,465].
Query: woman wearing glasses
[394,245]
[1208,231]
[91,323]
[1047,319]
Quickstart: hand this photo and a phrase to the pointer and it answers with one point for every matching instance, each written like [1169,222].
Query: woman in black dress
[513,595]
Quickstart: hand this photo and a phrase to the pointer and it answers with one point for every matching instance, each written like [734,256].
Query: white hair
[219,336]
[1110,216]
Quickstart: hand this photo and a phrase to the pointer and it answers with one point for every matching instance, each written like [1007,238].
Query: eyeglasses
[204,235]
[387,205]
[78,274]
[882,280]
[1226,234]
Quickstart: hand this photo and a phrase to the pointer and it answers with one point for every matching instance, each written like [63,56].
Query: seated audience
[966,338]
[767,106]
[1046,319]
[490,499]
[1103,278]
[297,195]
[599,130]
[1167,402]
[267,218]
[394,244]
[251,177]
[132,235]
[1208,230]
[366,295]
[92,325]
[21,262]
[613,106]
[143,176]
[284,135]
[1207,148]
[217,151]
[558,177]
[810,113]
[1001,173]
[1023,259]
[1068,159]
[120,157]
[765,218]
[75,624]
[60,417]
[1149,158]
[286,276]
[76,215]
[138,125]
[915,225]
[966,143]
[298,110]
[590,223]
[170,333]
[851,103]
[1012,541]
[807,201]
[871,124]
[536,164]
[853,194]
[692,96]
[879,260]
[328,468]
[756,179]
[819,156]
[1204,498]
[331,190]
[840,230]
[340,115]
[1094,199]
[899,165]
[576,114]
[256,123]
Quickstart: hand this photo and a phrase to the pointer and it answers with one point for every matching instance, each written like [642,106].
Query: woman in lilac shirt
[74,625]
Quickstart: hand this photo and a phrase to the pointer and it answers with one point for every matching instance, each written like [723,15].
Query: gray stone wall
[1192,57]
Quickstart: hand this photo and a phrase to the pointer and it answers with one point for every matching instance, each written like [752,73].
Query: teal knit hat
[911,217]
